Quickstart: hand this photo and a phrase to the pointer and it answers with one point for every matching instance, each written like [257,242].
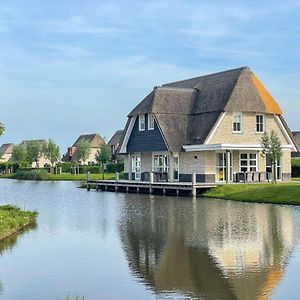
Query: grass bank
[57,177]
[13,220]
[280,193]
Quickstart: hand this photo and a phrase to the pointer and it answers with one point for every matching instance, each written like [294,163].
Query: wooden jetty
[145,187]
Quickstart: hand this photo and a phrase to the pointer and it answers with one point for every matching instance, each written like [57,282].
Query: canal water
[104,245]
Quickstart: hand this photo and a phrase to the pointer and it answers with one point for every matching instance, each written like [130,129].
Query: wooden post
[171,168]
[194,179]
[130,167]
[227,166]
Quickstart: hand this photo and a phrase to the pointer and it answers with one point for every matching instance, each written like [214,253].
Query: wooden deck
[145,187]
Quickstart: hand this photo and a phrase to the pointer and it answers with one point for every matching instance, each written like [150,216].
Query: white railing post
[151,177]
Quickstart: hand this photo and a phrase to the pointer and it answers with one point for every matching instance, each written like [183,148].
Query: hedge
[96,169]
[7,165]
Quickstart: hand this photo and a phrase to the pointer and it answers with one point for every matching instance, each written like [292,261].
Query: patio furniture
[256,176]
[262,176]
[240,177]
[249,176]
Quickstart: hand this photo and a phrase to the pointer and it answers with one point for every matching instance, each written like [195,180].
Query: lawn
[66,177]
[280,193]
[13,219]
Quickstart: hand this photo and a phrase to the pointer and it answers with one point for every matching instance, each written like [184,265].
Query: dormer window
[260,123]
[150,122]
[142,124]
[237,122]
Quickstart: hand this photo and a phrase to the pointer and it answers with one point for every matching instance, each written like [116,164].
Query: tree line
[25,154]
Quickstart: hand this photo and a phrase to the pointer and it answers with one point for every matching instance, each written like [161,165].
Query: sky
[74,67]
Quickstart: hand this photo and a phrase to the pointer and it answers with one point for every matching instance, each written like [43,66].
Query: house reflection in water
[207,249]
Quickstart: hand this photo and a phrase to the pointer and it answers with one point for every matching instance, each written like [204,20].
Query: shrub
[7,165]
[115,167]
[36,174]
[66,167]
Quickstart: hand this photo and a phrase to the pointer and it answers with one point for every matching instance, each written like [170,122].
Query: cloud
[77,25]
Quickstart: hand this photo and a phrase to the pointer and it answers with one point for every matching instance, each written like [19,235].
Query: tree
[19,155]
[1,132]
[102,156]
[34,152]
[83,150]
[272,147]
[51,152]
[2,128]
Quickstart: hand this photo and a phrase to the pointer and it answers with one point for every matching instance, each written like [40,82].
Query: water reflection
[10,242]
[207,249]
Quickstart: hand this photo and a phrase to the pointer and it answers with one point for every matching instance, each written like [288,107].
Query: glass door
[136,167]
[221,167]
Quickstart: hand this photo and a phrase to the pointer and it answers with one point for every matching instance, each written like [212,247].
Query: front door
[224,163]
[136,167]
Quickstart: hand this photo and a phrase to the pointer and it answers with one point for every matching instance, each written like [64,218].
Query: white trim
[123,148]
[263,123]
[192,148]
[241,122]
[140,122]
[149,123]
[294,148]
[221,117]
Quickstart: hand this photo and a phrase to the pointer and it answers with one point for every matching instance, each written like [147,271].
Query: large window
[269,169]
[150,122]
[176,166]
[248,162]
[260,124]
[221,166]
[237,122]
[142,122]
[161,163]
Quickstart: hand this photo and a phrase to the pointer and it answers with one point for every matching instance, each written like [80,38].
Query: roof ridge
[207,75]
[174,88]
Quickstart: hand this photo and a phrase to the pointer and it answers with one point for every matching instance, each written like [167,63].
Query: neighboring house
[6,152]
[43,161]
[210,126]
[95,140]
[114,144]
[296,135]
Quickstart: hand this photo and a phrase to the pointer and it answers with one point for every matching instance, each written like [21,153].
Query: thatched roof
[187,110]
[30,141]
[6,148]
[116,138]
[94,139]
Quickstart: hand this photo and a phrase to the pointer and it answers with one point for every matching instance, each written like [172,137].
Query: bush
[66,167]
[36,174]
[7,165]
[115,167]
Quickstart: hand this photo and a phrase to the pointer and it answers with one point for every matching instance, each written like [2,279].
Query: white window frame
[142,123]
[259,123]
[248,160]
[241,122]
[151,122]
[176,169]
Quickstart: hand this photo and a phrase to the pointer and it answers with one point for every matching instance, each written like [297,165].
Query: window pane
[243,156]
[252,156]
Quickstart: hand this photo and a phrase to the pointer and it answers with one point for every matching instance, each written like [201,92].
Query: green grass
[280,193]
[65,177]
[13,219]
